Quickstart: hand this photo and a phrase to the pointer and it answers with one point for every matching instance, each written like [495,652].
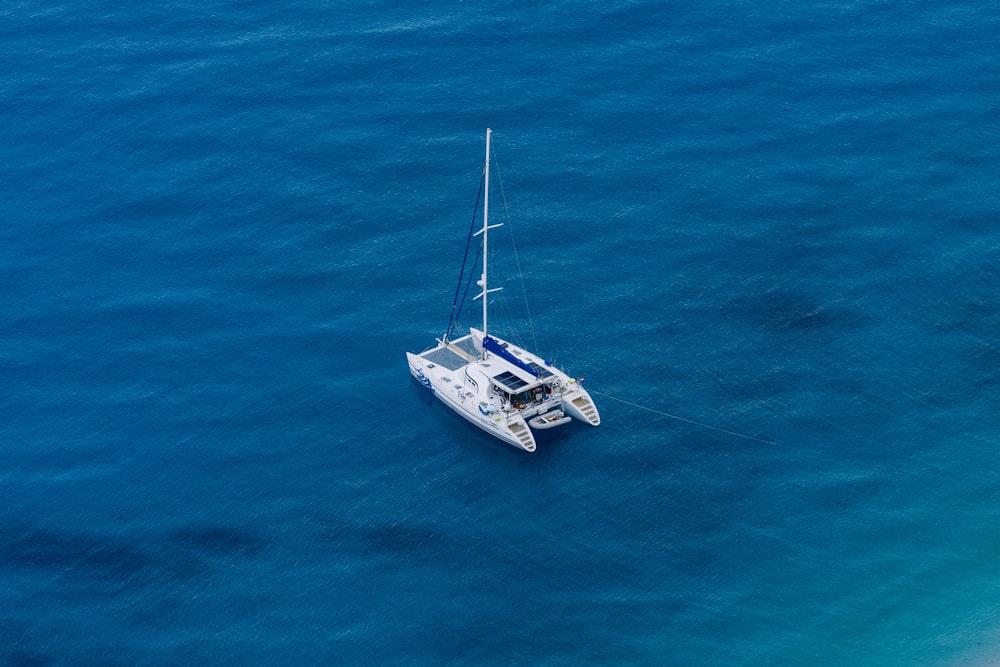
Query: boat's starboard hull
[581,406]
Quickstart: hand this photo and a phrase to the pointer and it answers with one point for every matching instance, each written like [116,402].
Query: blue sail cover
[496,348]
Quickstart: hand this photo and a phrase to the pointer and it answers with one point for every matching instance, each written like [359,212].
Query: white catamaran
[498,386]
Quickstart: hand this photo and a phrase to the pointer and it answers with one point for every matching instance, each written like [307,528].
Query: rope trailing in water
[683,419]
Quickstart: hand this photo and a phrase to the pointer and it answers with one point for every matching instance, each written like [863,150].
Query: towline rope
[683,419]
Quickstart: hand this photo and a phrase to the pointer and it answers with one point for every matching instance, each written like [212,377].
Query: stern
[579,405]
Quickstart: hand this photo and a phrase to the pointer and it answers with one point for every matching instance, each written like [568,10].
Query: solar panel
[510,382]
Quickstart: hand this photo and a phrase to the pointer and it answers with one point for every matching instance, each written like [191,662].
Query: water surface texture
[223,223]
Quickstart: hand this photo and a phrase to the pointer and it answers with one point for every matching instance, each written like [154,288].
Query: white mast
[486,226]
[484,231]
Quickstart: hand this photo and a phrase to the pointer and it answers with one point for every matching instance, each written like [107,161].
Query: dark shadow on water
[24,658]
[218,540]
[82,555]
[108,564]
[797,313]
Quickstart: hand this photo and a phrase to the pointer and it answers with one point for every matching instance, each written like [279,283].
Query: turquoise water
[224,224]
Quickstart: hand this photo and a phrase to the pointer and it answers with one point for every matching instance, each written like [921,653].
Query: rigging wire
[683,419]
[525,291]
[468,284]
[456,308]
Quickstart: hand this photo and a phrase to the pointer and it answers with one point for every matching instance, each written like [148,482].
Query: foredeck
[454,355]
[446,357]
[466,344]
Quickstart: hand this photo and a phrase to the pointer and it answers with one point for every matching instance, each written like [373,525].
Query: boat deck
[466,344]
[446,357]
[456,354]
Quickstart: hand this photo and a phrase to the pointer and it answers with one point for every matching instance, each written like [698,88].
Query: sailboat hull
[497,394]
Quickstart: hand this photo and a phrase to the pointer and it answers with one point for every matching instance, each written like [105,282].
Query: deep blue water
[223,223]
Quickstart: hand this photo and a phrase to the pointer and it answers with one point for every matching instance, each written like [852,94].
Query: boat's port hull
[513,432]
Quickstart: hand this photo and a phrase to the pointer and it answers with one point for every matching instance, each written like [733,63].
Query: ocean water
[223,224]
